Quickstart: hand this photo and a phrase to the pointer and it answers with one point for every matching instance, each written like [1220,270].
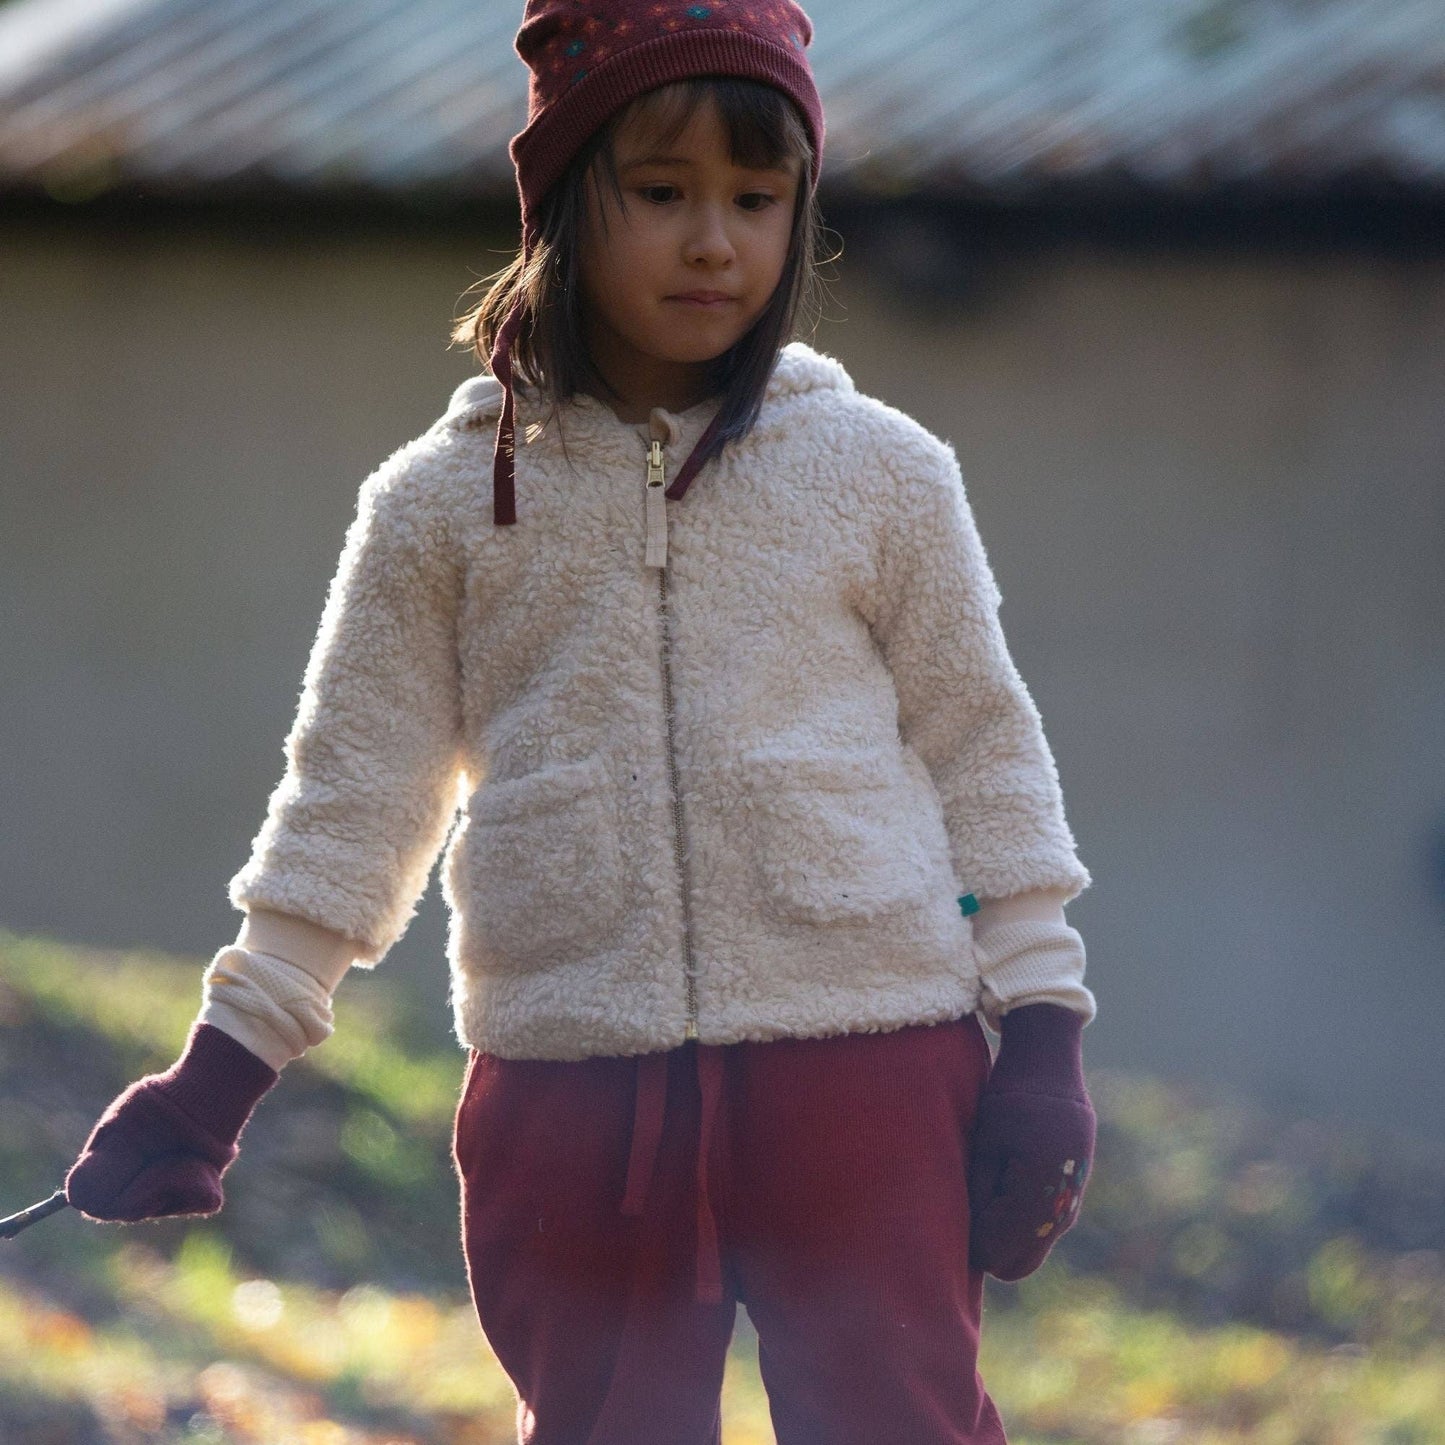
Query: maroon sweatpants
[615,1210]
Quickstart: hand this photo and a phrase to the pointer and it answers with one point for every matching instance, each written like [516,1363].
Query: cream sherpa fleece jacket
[735,797]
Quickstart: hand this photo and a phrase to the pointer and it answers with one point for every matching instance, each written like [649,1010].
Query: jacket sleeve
[374,755]
[962,705]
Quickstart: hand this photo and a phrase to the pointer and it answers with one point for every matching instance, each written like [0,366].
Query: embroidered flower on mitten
[1066,1195]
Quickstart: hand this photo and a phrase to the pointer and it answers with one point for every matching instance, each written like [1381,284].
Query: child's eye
[660,195]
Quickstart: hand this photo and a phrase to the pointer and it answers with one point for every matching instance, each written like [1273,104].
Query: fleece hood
[799,369]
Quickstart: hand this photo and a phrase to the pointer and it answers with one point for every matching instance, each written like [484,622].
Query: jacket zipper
[656,556]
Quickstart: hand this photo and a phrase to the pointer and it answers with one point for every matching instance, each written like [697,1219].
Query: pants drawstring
[647,1135]
[709,1262]
[646,1129]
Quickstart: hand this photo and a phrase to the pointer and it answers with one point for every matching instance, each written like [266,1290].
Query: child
[757,817]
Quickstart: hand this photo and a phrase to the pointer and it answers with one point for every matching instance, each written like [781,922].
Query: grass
[197,1350]
[1232,1278]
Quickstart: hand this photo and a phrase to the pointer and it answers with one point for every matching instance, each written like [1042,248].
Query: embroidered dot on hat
[587,59]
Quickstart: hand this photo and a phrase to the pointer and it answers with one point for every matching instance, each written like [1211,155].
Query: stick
[12,1226]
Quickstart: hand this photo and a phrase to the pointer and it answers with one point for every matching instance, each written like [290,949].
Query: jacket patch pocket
[832,836]
[544,863]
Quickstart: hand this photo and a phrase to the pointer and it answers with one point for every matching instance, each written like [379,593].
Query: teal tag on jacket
[968,904]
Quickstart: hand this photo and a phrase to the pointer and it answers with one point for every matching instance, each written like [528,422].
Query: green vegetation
[1233,1277]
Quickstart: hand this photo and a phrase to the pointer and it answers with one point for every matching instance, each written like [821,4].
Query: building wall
[1210,487]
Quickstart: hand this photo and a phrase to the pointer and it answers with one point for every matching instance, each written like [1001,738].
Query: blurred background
[1170,277]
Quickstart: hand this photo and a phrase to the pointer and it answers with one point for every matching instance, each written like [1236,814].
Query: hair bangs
[763,126]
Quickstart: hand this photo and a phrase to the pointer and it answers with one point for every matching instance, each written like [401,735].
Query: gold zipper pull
[656,555]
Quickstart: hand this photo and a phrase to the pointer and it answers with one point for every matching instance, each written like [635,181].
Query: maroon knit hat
[588,58]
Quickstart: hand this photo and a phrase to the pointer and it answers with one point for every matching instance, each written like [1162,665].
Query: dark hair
[764,127]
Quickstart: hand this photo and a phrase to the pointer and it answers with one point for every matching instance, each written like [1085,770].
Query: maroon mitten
[1033,1142]
[162,1146]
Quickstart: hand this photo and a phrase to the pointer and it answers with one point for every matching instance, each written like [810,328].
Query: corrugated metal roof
[984,96]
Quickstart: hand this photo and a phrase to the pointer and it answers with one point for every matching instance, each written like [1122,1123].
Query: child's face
[691,222]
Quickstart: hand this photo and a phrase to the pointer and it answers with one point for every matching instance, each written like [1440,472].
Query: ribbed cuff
[1041,1051]
[218,1081]
[276,1008]
[323,953]
[1031,957]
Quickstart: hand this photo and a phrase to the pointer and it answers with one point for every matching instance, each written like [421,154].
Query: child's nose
[709,239]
